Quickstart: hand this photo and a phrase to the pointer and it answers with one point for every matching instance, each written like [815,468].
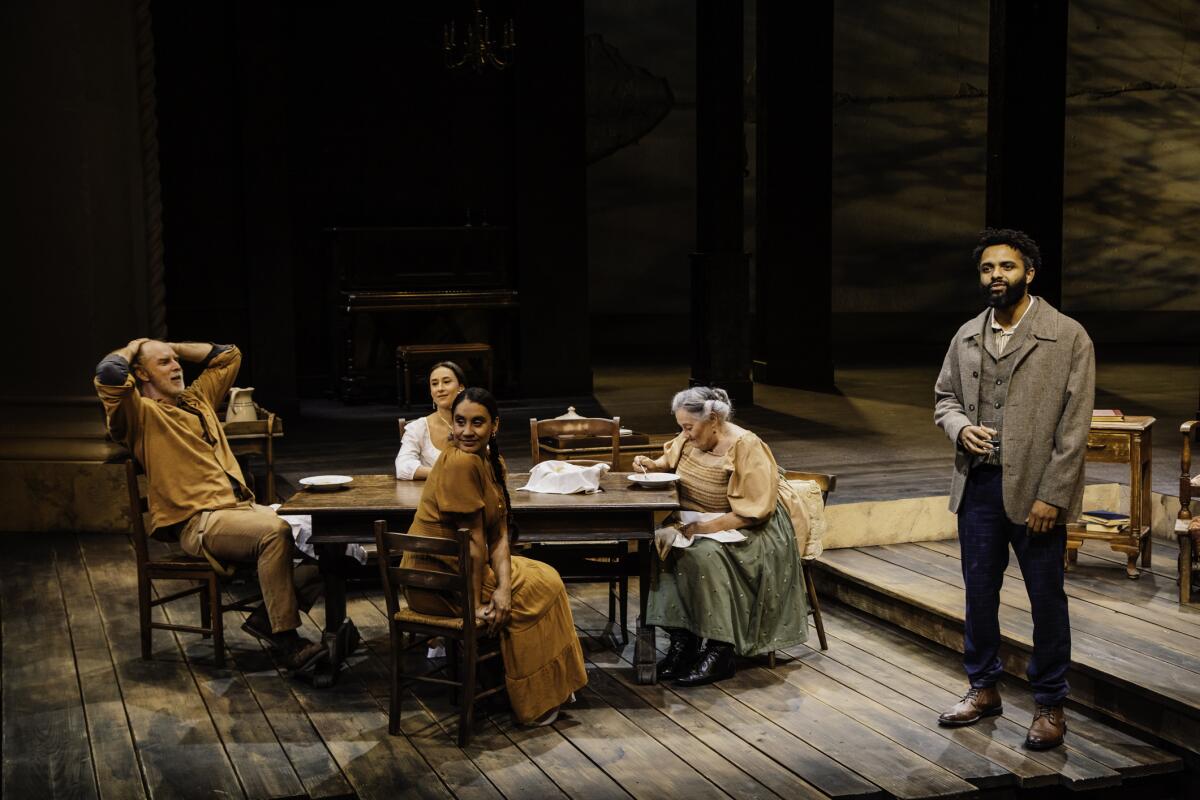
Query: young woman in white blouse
[425,437]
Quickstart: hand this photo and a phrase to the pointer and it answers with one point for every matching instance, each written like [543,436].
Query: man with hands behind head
[196,491]
[1015,395]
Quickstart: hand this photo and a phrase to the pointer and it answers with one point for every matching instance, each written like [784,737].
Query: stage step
[1135,651]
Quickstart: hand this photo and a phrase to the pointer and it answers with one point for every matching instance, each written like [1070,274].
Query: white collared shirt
[1004,335]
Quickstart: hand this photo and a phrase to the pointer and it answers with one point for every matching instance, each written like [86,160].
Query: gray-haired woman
[743,598]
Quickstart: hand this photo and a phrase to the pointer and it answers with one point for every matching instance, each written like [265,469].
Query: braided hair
[483,397]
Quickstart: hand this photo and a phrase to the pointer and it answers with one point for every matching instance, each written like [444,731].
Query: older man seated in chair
[196,491]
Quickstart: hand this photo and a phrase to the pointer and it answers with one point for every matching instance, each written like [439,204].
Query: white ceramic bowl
[653,479]
[326,483]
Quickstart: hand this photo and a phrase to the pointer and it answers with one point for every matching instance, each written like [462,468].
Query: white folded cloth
[559,477]
[666,538]
[302,531]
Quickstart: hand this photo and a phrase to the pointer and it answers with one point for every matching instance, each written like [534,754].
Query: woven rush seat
[408,615]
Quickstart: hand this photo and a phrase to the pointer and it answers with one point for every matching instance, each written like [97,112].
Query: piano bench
[406,354]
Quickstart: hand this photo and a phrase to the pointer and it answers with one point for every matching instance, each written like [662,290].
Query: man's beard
[1011,296]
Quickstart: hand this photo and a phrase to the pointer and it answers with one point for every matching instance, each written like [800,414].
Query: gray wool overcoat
[1046,414]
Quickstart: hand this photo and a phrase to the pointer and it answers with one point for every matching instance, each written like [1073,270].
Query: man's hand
[195,352]
[976,438]
[129,352]
[1041,517]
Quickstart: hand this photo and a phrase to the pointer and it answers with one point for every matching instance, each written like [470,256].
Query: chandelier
[478,49]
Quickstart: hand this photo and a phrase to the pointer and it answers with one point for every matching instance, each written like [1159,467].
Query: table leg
[643,654]
[330,560]
[1185,568]
[1131,567]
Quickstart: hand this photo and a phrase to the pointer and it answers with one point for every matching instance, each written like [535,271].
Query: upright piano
[417,285]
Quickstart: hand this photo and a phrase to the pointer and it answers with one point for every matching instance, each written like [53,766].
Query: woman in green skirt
[741,598]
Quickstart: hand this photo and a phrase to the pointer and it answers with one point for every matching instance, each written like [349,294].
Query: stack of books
[1105,521]
[1107,415]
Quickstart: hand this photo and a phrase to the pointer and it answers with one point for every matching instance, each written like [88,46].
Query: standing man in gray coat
[1015,396]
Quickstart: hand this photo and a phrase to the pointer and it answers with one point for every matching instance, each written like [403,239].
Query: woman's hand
[644,464]
[692,528]
[502,609]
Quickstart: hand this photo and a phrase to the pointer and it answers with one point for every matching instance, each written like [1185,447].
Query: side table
[1123,442]
[257,437]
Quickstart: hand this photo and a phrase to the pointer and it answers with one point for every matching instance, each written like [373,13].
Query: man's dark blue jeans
[984,534]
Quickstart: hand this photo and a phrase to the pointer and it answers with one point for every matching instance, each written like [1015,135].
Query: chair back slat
[390,548]
[138,507]
[416,543]
[434,580]
[582,426]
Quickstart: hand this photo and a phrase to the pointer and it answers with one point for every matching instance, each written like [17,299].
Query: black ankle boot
[683,652]
[715,664]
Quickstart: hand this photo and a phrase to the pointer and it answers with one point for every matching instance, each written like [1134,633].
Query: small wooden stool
[406,353]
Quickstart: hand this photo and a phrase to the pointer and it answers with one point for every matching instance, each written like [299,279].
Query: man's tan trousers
[254,534]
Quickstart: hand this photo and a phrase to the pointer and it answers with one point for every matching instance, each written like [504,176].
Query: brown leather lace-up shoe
[976,704]
[1048,728]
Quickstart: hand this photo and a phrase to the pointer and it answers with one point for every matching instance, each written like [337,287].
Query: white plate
[651,479]
[325,483]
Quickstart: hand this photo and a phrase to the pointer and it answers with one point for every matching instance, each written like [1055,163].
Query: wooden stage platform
[84,716]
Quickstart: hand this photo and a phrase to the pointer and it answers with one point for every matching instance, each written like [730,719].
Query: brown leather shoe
[976,704]
[1048,728]
[302,654]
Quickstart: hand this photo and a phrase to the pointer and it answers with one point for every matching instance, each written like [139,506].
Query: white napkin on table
[559,477]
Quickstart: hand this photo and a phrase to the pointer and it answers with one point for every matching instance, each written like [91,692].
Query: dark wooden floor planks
[113,751]
[46,749]
[815,768]
[275,693]
[908,694]
[1075,769]
[856,721]
[1102,633]
[427,723]
[1172,685]
[254,750]
[180,750]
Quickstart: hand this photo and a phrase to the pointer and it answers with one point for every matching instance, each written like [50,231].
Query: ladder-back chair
[459,631]
[602,558]
[826,483]
[177,566]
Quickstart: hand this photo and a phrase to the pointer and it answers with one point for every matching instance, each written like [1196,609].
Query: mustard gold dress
[750,594]
[543,662]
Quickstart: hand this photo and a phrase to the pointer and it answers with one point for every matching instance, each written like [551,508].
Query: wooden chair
[177,567]
[590,431]
[586,429]
[1187,545]
[826,483]
[460,632]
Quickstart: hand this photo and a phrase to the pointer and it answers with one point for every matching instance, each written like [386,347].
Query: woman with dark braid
[522,600]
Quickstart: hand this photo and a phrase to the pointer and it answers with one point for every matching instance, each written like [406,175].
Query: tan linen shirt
[182,448]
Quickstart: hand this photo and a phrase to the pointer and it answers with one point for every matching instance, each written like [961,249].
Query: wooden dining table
[620,511]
